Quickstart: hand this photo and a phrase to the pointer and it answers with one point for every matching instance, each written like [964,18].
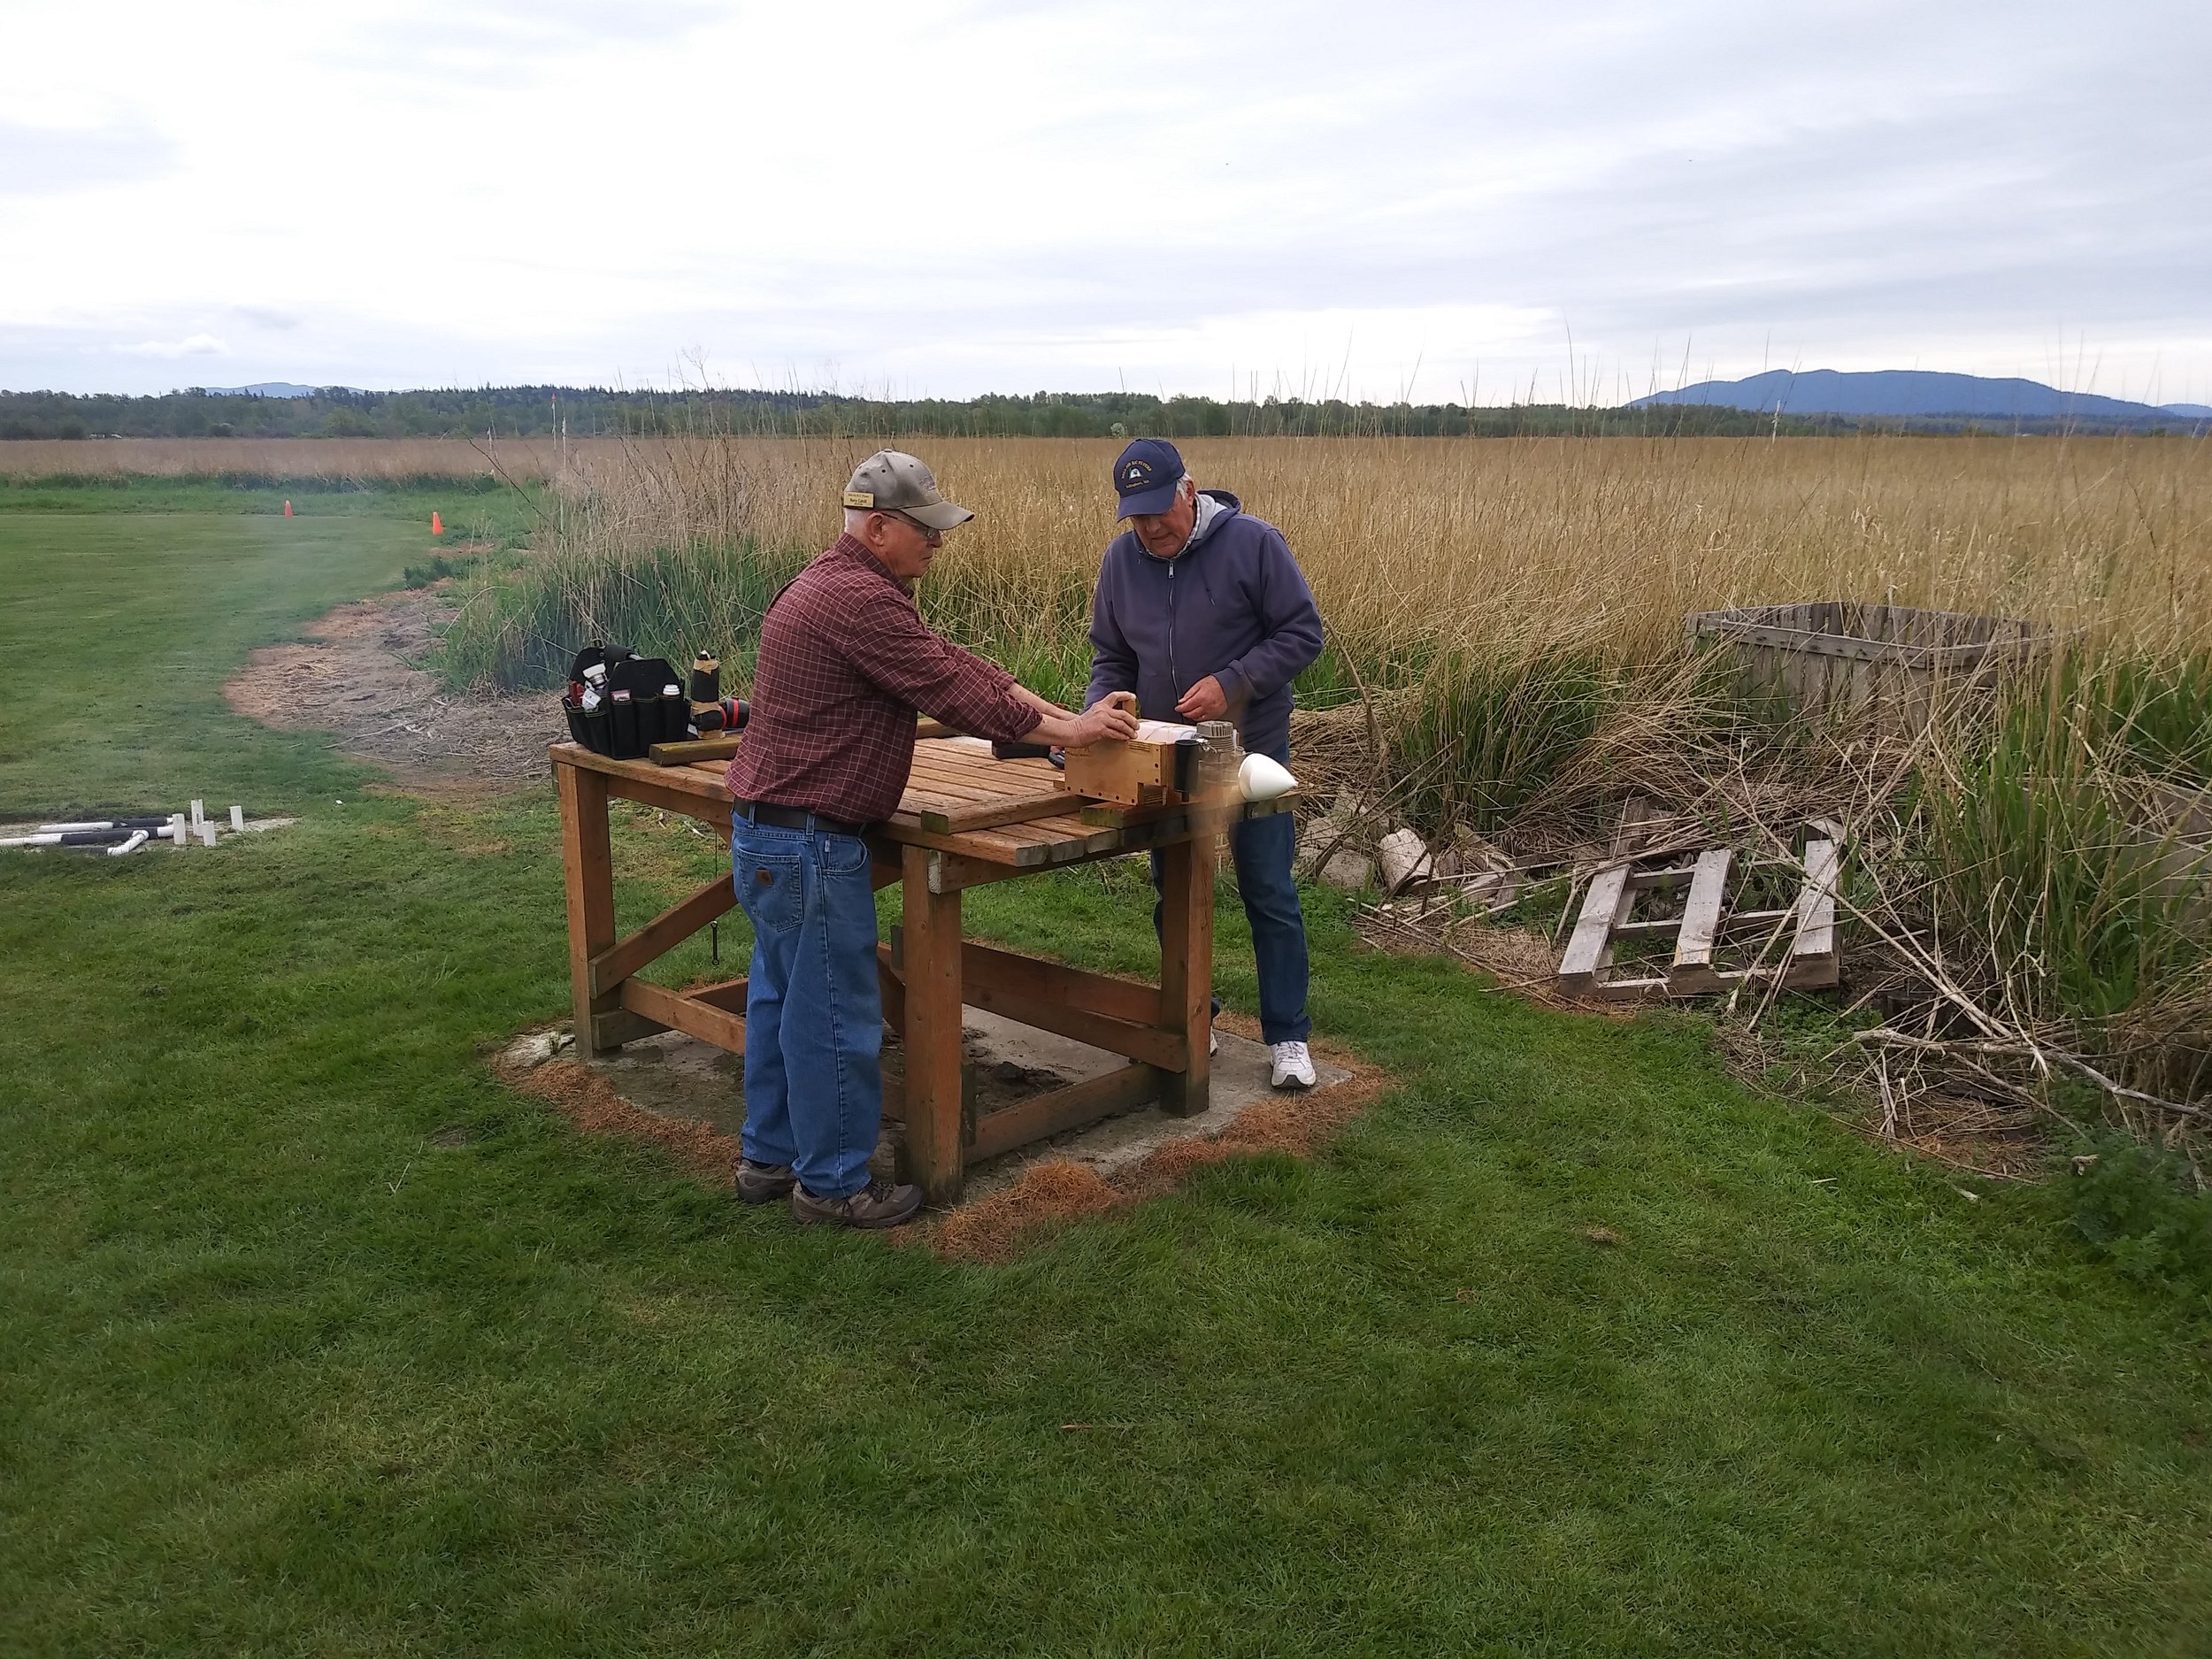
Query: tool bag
[628,704]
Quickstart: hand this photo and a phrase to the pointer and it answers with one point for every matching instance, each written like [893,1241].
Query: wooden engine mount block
[1160,766]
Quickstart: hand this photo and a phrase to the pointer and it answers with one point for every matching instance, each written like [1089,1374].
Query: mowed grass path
[314,1340]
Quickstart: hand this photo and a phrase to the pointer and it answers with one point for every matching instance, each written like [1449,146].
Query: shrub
[2138,1207]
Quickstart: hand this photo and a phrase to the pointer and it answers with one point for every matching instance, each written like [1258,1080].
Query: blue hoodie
[1232,604]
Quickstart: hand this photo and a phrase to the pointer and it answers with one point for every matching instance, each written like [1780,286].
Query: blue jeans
[1263,849]
[813,1009]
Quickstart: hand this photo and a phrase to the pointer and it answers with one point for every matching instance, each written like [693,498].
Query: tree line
[589,411]
[338,412]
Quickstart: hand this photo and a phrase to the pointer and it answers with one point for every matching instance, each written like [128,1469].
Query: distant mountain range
[1915,394]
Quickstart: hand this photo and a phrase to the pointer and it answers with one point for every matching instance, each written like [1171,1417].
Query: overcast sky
[1372,199]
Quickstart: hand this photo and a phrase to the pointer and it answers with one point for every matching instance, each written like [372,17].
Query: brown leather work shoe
[877,1204]
[762,1183]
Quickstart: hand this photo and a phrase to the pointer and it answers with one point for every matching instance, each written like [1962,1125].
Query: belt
[795,817]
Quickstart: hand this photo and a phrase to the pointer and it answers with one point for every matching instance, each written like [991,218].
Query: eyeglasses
[934,537]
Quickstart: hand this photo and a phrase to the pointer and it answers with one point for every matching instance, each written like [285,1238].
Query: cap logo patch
[860,498]
[1136,472]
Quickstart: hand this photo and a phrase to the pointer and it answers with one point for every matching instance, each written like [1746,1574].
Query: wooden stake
[1186,969]
[587,877]
[930,960]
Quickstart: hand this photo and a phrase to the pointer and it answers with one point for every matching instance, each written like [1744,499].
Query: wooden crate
[1888,664]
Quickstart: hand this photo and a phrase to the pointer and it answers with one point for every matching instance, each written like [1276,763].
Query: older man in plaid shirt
[845,660]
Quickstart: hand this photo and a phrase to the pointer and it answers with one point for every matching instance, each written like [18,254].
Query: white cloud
[190,346]
[1366,199]
[42,160]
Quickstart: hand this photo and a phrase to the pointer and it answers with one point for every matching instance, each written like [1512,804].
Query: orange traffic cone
[287,510]
[437,524]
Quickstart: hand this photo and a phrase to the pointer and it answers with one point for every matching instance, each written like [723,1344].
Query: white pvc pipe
[238,819]
[138,839]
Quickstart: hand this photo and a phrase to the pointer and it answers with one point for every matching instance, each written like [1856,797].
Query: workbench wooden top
[955,781]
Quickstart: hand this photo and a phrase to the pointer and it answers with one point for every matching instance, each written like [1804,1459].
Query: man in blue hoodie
[1203,612]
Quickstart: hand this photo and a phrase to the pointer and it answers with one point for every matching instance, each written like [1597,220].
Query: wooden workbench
[952,831]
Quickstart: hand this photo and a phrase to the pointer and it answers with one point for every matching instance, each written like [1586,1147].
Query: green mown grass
[314,1340]
[482,501]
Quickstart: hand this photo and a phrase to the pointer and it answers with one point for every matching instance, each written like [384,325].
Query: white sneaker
[1213,1040]
[1293,1066]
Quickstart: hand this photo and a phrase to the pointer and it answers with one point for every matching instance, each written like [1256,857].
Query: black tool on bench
[620,704]
[1002,749]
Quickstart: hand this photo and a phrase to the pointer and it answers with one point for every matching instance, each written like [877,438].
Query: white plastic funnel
[1260,779]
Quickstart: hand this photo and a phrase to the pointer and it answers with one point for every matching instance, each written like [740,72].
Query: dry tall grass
[1500,544]
[366,459]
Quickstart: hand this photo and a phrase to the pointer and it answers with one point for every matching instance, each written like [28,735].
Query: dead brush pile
[2027,901]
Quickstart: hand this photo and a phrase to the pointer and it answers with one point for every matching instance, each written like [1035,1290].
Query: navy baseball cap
[1146,475]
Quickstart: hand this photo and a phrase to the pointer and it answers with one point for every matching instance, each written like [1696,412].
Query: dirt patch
[587,1100]
[363,679]
[1054,1193]
[996,1229]
[1047,1196]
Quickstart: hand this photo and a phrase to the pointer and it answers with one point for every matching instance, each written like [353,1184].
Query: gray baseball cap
[891,480]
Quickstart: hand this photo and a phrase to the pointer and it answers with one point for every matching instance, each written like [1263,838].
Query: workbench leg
[587,872]
[931,954]
[1186,968]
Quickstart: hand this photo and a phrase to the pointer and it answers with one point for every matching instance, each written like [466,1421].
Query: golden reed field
[1506,545]
[366,459]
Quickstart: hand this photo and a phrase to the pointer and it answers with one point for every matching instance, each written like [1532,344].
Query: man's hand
[1102,720]
[1115,718]
[1205,701]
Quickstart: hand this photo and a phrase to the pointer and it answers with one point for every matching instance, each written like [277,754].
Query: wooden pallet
[1808,957]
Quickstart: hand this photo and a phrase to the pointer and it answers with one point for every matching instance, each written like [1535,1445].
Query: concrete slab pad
[1241,1069]
[680,1077]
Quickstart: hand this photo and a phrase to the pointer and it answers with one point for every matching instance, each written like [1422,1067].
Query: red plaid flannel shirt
[845,660]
